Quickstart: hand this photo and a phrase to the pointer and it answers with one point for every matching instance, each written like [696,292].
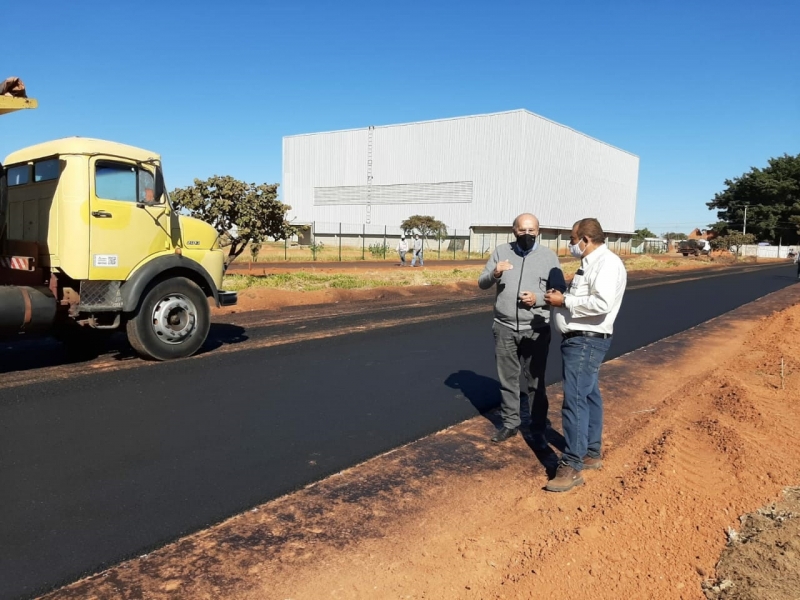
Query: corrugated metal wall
[514,161]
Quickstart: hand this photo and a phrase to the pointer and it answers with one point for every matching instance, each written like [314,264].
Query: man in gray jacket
[522,271]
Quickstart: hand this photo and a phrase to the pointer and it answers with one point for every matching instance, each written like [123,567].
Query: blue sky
[700,91]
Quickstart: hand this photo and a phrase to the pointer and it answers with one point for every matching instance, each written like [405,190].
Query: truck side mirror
[159,191]
[152,196]
[3,199]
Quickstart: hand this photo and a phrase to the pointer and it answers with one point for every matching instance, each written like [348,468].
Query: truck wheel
[686,254]
[172,321]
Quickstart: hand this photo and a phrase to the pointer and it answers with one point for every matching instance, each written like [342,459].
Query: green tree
[671,235]
[241,212]
[772,198]
[640,234]
[733,238]
[426,226]
[719,228]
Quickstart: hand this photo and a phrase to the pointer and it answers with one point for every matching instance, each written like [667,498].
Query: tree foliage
[241,212]
[640,234]
[734,239]
[426,226]
[718,228]
[773,196]
[671,235]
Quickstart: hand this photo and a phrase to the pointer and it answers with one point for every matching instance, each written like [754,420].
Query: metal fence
[332,241]
[649,246]
[380,241]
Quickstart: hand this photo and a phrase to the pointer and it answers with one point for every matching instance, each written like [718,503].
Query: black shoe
[504,434]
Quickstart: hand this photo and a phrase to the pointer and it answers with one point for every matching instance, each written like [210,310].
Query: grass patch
[309,282]
[302,281]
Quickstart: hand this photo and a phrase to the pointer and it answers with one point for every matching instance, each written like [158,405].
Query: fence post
[363,239]
[313,240]
[340,241]
[286,248]
[469,243]
[455,234]
[384,242]
[439,252]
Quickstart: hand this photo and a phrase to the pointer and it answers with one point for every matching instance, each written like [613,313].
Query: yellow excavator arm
[9,104]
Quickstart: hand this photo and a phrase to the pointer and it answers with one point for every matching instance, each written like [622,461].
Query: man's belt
[594,334]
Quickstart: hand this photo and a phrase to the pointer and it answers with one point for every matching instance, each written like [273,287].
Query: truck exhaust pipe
[26,309]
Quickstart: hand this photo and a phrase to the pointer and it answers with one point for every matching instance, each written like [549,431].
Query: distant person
[402,248]
[797,262]
[585,317]
[522,271]
[417,251]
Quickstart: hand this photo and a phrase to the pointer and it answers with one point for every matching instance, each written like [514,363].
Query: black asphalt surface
[96,469]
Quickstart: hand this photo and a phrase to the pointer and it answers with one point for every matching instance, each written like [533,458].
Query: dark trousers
[582,413]
[523,352]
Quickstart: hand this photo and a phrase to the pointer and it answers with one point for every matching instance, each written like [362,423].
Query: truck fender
[163,267]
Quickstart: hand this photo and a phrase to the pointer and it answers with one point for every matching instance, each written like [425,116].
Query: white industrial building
[473,173]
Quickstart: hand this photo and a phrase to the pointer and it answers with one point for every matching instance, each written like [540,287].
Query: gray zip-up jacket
[535,271]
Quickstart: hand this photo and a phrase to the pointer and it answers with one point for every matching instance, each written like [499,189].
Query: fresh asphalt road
[98,468]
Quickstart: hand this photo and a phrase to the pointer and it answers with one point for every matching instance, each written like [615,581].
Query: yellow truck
[89,241]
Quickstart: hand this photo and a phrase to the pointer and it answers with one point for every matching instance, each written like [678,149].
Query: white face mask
[575,250]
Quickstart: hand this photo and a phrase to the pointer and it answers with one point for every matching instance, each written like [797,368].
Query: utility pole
[744,231]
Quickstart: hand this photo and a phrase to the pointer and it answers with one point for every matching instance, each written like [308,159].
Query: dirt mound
[762,559]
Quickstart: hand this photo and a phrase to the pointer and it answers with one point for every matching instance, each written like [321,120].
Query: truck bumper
[227,298]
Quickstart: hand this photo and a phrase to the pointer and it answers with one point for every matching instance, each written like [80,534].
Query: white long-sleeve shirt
[594,297]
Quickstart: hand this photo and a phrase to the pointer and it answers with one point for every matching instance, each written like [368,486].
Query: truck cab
[94,222]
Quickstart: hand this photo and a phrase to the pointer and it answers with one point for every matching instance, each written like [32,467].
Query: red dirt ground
[700,429]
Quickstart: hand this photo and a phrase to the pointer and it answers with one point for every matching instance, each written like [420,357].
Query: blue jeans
[582,413]
[417,255]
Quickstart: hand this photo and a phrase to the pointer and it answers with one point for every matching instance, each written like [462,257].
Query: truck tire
[172,321]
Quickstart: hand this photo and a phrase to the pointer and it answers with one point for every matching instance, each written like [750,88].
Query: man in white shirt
[585,317]
[402,248]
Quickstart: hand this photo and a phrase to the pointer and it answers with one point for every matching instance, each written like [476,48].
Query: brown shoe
[566,478]
[595,464]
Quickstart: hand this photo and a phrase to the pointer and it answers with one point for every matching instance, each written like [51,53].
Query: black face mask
[526,241]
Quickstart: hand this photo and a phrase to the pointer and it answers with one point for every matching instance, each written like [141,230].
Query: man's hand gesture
[503,265]
[527,298]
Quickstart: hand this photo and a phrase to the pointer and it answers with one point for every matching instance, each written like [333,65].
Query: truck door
[123,232]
